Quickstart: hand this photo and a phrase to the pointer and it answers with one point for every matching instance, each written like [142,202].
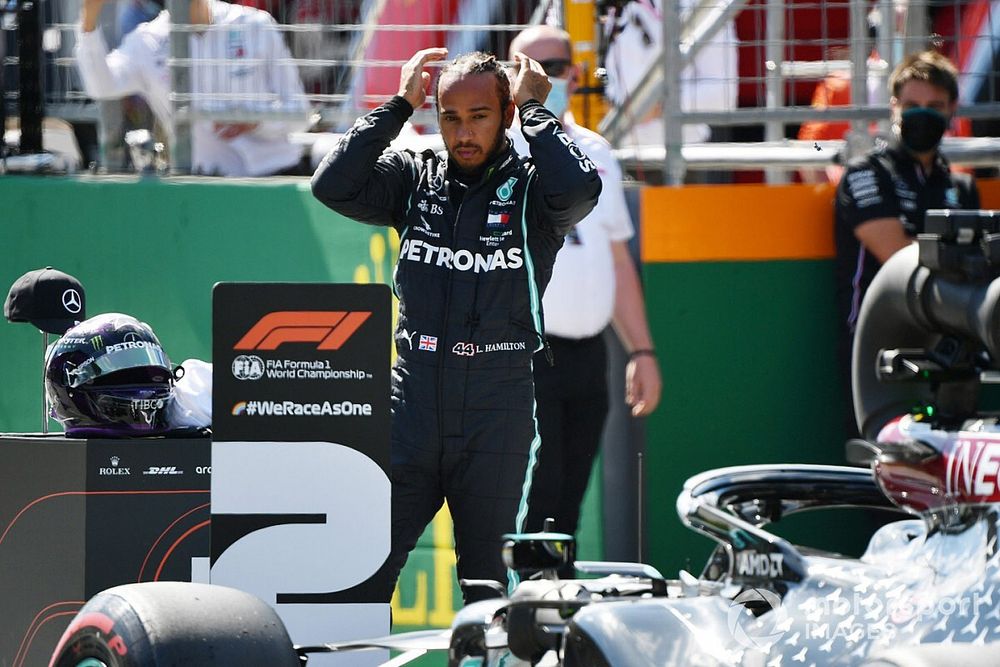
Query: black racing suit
[473,263]
[888,182]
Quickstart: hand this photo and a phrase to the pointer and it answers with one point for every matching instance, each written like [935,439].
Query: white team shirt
[139,67]
[579,301]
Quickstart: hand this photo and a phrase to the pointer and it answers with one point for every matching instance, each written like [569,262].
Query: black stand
[45,410]
[29,51]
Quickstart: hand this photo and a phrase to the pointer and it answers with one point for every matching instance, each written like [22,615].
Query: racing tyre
[165,623]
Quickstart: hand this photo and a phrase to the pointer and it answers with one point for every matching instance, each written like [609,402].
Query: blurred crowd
[339,64]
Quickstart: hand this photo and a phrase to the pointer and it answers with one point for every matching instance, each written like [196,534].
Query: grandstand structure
[767,56]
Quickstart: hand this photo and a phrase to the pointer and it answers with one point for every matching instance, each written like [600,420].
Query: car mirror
[538,552]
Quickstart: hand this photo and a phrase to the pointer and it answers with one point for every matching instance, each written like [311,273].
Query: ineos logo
[72,301]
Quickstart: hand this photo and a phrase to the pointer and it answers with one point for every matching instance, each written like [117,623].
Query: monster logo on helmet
[119,388]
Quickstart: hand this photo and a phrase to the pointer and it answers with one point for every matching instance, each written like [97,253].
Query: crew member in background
[479,230]
[594,283]
[883,196]
[255,77]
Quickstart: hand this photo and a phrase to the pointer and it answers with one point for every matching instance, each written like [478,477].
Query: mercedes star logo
[71,301]
[131,337]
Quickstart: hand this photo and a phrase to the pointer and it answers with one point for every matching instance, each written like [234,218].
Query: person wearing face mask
[594,283]
[883,196]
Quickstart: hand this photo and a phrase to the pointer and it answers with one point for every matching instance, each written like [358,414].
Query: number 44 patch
[464,349]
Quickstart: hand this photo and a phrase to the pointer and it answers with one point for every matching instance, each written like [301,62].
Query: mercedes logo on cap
[48,298]
[71,301]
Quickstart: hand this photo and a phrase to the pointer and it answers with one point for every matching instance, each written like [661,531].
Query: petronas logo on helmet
[506,190]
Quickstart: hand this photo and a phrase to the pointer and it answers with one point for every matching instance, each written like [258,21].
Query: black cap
[48,298]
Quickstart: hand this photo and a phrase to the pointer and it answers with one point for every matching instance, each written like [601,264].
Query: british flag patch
[428,343]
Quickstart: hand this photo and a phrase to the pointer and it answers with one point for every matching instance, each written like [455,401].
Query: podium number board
[300,458]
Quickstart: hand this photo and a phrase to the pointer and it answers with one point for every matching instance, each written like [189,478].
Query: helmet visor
[135,356]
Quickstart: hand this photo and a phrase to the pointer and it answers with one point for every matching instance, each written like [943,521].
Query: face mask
[921,129]
[558,100]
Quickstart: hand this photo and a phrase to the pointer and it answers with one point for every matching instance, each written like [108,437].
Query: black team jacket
[473,264]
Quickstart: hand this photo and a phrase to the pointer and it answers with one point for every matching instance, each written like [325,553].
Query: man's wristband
[634,354]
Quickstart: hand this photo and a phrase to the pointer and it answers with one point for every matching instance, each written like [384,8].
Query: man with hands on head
[256,75]
[594,283]
[479,229]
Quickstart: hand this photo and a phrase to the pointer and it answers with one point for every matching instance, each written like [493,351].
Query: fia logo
[248,367]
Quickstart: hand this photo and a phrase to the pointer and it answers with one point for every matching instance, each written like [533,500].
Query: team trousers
[571,397]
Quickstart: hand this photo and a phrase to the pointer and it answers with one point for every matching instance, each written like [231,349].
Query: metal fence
[681,75]
[787,52]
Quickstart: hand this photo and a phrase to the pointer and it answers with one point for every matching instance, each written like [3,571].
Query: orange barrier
[701,223]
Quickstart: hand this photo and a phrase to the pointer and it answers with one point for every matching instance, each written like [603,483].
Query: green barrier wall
[750,377]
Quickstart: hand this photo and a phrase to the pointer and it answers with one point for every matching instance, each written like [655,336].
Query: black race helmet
[109,377]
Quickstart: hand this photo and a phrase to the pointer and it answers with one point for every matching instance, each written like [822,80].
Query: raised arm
[568,184]
[90,13]
[359,178]
[105,75]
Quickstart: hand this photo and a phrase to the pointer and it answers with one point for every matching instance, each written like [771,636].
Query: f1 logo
[329,328]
